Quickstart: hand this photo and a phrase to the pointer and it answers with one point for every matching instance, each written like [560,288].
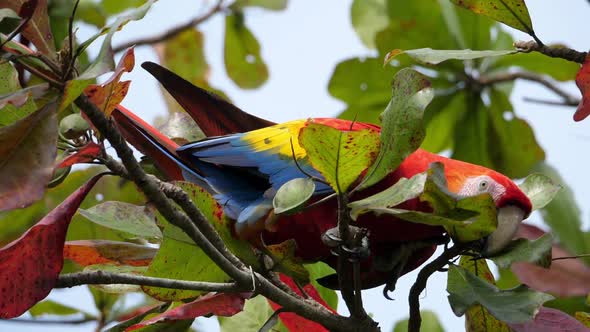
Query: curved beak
[509,218]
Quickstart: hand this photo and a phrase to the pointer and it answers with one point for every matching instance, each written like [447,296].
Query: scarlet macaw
[246,159]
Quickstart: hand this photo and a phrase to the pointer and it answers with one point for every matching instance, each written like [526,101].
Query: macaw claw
[356,249]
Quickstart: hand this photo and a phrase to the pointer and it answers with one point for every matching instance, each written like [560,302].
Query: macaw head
[513,205]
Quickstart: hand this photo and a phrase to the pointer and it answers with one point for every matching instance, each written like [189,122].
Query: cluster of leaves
[471,115]
[108,226]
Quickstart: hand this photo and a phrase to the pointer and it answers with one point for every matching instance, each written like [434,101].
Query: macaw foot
[355,250]
[395,261]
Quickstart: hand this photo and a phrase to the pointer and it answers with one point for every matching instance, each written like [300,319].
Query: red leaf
[90,252]
[85,154]
[211,304]
[30,265]
[294,322]
[550,320]
[583,83]
[567,277]
[107,95]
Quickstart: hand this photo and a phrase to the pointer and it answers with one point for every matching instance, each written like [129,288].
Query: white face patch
[482,184]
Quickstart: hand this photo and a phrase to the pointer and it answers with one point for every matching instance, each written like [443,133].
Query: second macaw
[245,159]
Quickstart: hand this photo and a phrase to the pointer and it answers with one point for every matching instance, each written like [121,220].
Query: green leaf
[340,156]
[364,85]
[584,318]
[433,57]
[513,13]
[440,118]
[368,17]
[540,189]
[266,4]
[563,215]
[181,128]
[513,147]
[8,85]
[27,154]
[112,7]
[256,312]
[50,307]
[516,305]
[401,191]
[478,318]
[409,23]
[92,13]
[319,270]
[559,69]
[130,219]
[283,255]
[402,130]
[430,323]
[523,250]
[243,62]
[292,195]
[180,258]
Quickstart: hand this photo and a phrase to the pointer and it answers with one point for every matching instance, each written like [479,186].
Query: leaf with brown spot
[513,13]
[107,95]
[340,156]
[37,29]
[30,265]
[92,252]
[131,221]
[27,154]
[583,83]
[212,304]
[283,255]
[478,318]
[85,154]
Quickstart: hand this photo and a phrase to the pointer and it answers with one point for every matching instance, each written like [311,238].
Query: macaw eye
[483,185]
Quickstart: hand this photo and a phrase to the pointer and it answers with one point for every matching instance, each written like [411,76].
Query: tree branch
[420,284]
[554,52]
[567,98]
[106,278]
[174,31]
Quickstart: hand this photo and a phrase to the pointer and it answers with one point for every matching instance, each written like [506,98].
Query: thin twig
[568,99]
[51,321]
[109,278]
[420,284]
[174,31]
[554,52]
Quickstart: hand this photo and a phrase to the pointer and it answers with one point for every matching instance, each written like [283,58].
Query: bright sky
[301,46]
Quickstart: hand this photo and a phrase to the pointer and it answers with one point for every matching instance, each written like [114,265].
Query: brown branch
[554,52]
[109,278]
[420,284]
[567,98]
[174,31]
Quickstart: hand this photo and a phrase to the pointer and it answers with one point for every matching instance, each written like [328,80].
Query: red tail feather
[136,131]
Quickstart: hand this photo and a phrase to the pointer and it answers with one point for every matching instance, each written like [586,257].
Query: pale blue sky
[301,47]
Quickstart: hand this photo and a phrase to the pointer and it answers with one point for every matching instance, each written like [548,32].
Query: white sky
[301,46]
